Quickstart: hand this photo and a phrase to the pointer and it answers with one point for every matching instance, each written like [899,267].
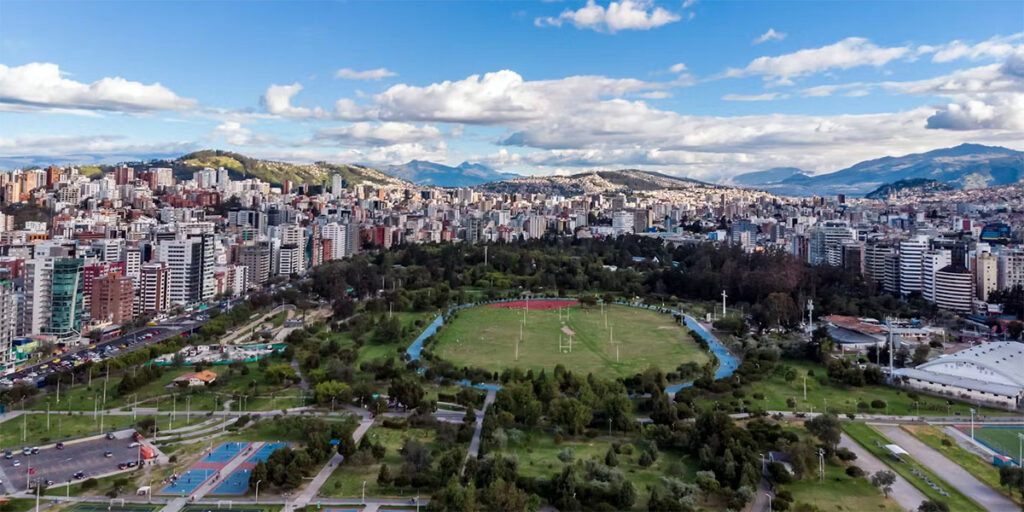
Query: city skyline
[705,90]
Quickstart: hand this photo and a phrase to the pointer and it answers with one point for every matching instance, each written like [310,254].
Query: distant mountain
[963,166]
[440,175]
[594,182]
[770,176]
[906,188]
[242,167]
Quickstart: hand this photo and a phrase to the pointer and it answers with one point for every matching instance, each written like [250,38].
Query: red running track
[536,304]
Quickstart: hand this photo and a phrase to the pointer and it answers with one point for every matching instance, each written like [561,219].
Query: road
[908,496]
[949,471]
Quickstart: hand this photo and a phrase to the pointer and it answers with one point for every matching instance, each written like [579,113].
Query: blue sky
[697,88]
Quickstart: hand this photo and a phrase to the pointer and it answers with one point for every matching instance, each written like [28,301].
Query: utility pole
[723,303]
[810,315]
[805,388]
[821,464]
[972,424]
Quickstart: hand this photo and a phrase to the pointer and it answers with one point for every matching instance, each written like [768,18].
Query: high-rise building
[67,290]
[256,258]
[891,279]
[190,263]
[911,256]
[8,324]
[954,288]
[933,261]
[986,273]
[113,299]
[154,292]
[1011,268]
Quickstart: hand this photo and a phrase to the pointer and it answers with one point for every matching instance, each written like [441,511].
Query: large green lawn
[839,398]
[840,492]
[486,337]
[32,429]
[981,469]
[866,436]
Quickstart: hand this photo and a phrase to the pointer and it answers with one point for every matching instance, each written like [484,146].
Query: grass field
[1001,439]
[866,436]
[843,399]
[347,481]
[486,337]
[31,429]
[981,469]
[840,492]
[537,454]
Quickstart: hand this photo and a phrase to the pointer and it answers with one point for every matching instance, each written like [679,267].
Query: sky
[697,88]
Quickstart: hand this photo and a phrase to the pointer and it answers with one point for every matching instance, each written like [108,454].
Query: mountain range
[963,166]
[594,182]
[439,175]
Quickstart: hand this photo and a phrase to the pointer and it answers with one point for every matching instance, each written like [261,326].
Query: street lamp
[769,500]
[364,492]
[257,500]
[972,424]
[1020,450]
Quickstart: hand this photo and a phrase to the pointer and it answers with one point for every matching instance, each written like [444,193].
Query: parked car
[60,446]
[79,475]
[108,454]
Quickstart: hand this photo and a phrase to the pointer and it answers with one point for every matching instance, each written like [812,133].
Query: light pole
[972,424]
[769,500]
[805,388]
[1020,450]
[257,500]
[364,492]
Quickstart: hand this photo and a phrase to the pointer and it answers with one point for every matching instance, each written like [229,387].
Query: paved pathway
[949,471]
[908,496]
[474,445]
[311,490]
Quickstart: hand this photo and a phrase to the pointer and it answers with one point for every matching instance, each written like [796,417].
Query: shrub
[845,454]
[89,483]
[855,471]
[878,404]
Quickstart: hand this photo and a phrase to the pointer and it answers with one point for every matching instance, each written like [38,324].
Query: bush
[394,423]
[946,442]
[855,471]
[878,404]
[845,454]
[89,483]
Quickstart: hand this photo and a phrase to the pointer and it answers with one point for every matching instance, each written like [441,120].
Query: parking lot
[60,465]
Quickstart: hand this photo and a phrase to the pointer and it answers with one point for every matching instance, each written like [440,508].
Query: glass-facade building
[67,311]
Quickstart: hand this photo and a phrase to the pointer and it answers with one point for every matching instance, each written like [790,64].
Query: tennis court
[264,453]
[188,482]
[225,452]
[236,484]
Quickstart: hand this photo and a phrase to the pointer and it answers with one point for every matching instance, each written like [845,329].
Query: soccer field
[1002,439]
[619,343]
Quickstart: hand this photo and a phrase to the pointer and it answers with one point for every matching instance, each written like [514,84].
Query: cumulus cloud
[494,98]
[845,54]
[42,86]
[755,97]
[678,67]
[998,47]
[369,74]
[621,15]
[771,35]
[388,133]
[278,101]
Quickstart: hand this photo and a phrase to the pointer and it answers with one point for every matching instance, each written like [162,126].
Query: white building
[932,262]
[954,288]
[990,372]
[986,273]
[911,256]
[1011,268]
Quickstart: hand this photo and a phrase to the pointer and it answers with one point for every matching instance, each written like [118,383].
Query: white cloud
[278,99]
[755,97]
[678,67]
[689,3]
[494,98]
[621,15]
[771,35]
[655,95]
[82,149]
[998,47]
[845,54]
[41,86]
[369,74]
[233,132]
[379,133]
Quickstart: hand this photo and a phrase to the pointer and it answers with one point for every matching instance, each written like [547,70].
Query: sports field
[1001,438]
[619,342]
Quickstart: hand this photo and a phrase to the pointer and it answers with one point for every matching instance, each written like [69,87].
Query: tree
[610,459]
[331,391]
[384,476]
[505,496]
[826,428]
[1012,478]
[884,480]
[258,474]
[933,506]
[921,354]
[346,446]
[407,391]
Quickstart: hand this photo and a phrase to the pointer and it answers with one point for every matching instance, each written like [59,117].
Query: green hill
[241,167]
